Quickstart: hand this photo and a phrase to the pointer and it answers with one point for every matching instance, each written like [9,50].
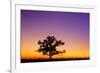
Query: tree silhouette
[48,46]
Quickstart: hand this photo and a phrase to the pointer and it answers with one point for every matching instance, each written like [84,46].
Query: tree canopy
[48,46]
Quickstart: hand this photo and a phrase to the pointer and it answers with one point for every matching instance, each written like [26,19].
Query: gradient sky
[70,27]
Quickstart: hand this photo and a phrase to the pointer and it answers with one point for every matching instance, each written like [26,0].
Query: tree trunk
[50,57]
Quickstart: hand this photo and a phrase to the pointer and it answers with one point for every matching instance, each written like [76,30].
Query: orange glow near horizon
[29,50]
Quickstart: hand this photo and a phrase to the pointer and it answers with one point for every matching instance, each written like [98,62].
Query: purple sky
[55,23]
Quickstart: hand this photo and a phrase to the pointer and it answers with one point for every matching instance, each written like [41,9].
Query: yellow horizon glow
[73,50]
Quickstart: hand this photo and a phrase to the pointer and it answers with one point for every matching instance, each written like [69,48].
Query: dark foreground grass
[50,60]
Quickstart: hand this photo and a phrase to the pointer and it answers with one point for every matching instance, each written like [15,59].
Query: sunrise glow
[71,27]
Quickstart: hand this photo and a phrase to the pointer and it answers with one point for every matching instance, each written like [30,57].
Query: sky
[70,27]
